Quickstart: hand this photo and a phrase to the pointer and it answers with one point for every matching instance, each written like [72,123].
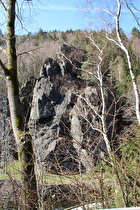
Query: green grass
[11,169]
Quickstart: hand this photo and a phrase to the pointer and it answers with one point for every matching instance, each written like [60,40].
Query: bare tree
[109,16]
[103,114]
[23,138]
[119,42]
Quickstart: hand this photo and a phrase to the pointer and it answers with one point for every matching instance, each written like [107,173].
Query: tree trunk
[133,78]
[23,138]
[119,42]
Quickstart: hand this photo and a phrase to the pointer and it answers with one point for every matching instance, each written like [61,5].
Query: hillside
[79,105]
[32,50]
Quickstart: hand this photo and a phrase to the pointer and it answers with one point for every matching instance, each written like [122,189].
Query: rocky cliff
[58,108]
[61,123]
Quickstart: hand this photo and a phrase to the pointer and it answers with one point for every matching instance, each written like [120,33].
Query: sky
[60,15]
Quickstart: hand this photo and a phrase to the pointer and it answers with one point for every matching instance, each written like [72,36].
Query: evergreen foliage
[135,33]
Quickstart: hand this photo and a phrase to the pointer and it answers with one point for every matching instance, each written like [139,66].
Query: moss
[25,195]
[19,121]
[23,134]
[8,77]
[25,148]
[11,75]
[8,35]
[10,68]
[11,52]
[8,72]
[25,166]
[9,23]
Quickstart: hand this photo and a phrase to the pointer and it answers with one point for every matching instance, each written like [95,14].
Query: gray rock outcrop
[59,109]
[63,138]
[61,122]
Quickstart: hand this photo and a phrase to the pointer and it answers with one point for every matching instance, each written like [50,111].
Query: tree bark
[119,43]
[135,87]
[23,139]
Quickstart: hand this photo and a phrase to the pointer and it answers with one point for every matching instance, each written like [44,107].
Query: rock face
[53,99]
[62,112]
[7,142]
[60,121]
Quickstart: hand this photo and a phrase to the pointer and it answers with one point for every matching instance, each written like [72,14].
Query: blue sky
[53,14]
[58,14]
[61,14]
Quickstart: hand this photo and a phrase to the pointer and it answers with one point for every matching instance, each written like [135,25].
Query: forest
[70,118]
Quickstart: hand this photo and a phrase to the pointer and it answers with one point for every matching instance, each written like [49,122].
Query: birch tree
[95,70]
[99,76]
[119,42]
[22,136]
[109,16]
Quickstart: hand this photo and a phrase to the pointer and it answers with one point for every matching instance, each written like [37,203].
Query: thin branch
[93,42]
[3,66]
[113,40]
[3,5]
[136,18]
[3,50]
[103,10]
[91,125]
[28,52]
[3,77]
[68,60]
[88,72]
[135,8]
[89,104]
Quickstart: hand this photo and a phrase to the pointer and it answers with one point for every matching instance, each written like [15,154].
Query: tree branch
[3,66]
[28,52]
[103,10]
[89,104]
[3,5]
[3,50]
[3,77]
[136,19]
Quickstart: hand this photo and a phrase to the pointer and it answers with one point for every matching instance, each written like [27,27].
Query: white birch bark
[119,43]
[99,76]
